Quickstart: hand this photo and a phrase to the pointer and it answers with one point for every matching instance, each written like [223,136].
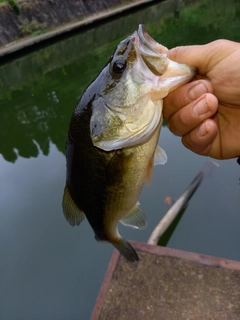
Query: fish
[112,140]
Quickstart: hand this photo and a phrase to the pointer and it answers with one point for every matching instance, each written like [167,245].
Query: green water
[48,269]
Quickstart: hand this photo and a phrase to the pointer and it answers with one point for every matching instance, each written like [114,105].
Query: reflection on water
[48,269]
[38,91]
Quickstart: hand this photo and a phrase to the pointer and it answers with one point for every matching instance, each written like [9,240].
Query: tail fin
[126,250]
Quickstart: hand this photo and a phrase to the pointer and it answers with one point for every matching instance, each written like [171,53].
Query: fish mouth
[152,53]
[147,41]
[155,57]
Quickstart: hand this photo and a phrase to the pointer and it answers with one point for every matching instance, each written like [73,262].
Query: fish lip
[152,53]
[177,73]
[142,34]
[148,42]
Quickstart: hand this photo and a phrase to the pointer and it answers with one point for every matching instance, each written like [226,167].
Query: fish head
[128,108]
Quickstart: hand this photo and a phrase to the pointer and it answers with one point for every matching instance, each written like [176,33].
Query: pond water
[50,270]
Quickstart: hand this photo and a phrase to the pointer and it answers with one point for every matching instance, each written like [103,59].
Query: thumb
[204,57]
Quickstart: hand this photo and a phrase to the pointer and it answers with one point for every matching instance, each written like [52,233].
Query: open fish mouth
[155,57]
[153,54]
[147,41]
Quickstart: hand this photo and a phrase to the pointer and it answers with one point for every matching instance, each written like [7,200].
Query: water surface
[50,270]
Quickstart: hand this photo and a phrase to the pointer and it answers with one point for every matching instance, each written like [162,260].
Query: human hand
[206,111]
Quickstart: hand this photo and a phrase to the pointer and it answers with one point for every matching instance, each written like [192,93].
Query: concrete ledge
[168,284]
[96,18]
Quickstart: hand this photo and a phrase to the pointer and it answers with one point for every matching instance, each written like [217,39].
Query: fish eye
[119,65]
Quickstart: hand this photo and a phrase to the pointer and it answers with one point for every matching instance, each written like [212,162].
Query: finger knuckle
[184,118]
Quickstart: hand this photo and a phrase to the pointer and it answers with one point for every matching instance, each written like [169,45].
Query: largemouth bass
[113,136]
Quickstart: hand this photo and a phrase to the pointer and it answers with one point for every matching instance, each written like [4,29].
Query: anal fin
[71,211]
[135,219]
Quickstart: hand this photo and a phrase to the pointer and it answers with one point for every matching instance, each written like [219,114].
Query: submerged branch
[180,204]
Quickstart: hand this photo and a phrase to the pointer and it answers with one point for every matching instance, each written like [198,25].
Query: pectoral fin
[135,219]
[160,156]
[71,211]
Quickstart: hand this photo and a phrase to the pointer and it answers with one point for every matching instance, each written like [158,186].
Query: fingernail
[201,107]
[197,91]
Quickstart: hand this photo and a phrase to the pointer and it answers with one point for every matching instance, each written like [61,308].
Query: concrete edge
[105,285]
[202,259]
[28,42]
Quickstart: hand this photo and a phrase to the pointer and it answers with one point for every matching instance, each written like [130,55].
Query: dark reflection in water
[48,269]
[38,91]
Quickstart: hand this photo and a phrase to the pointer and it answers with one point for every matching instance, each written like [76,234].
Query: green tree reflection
[39,91]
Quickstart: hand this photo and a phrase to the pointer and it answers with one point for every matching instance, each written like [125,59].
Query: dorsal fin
[135,218]
[71,211]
